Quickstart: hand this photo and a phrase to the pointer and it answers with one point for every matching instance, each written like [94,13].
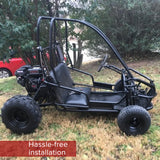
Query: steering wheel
[103,63]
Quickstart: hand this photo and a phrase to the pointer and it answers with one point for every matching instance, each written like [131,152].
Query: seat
[68,96]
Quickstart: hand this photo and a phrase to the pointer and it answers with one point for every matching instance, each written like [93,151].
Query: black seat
[68,96]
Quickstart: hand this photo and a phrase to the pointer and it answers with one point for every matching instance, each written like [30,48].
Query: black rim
[18,118]
[135,123]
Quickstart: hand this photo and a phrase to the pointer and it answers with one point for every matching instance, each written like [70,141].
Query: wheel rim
[19,118]
[134,123]
[4,74]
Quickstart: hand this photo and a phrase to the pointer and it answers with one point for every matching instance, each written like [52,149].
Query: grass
[97,135]
[10,85]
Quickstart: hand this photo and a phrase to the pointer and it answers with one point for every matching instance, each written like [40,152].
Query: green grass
[97,135]
[10,85]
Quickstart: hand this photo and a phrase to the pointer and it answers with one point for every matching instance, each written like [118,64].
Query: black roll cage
[126,72]
[52,39]
[52,42]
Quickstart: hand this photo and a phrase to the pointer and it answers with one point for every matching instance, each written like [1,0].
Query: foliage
[18,24]
[133,26]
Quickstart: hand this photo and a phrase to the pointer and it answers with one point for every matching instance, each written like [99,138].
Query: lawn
[97,135]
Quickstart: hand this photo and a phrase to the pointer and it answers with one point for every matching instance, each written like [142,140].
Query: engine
[29,77]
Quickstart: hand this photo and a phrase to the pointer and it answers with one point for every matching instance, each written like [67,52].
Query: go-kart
[49,83]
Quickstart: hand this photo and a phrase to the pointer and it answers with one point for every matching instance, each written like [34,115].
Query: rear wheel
[21,114]
[134,120]
[4,73]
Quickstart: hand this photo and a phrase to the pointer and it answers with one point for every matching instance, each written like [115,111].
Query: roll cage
[52,38]
[130,88]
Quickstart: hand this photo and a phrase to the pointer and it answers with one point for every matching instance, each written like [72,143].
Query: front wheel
[134,120]
[21,114]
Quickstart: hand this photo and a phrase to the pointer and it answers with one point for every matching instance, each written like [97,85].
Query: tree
[133,26]
[18,25]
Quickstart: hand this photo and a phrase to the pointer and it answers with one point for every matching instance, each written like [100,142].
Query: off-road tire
[21,114]
[134,120]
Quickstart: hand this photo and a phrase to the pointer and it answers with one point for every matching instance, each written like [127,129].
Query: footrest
[111,98]
[76,99]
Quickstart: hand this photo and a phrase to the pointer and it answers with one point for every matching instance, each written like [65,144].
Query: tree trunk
[77,56]
[80,56]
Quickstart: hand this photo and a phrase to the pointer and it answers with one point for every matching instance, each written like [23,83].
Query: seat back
[63,78]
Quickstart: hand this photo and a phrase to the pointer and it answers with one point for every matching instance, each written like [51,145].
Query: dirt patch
[142,63]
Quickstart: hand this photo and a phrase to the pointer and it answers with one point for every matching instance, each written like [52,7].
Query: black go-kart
[50,84]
